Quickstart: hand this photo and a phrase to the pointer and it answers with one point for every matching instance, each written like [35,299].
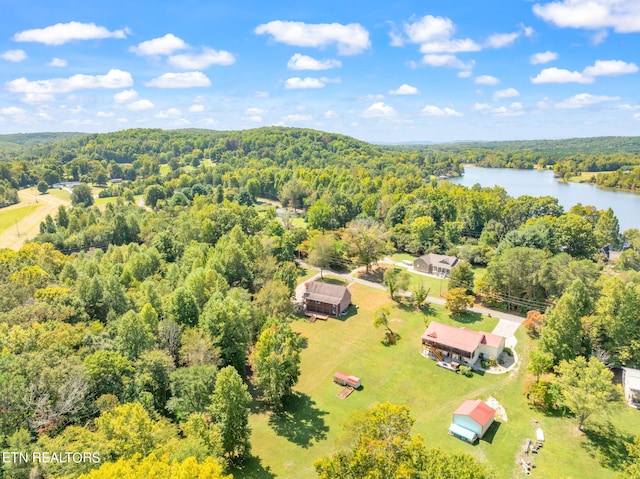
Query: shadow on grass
[386,342]
[467,317]
[338,281]
[351,311]
[607,444]
[491,433]
[252,469]
[300,422]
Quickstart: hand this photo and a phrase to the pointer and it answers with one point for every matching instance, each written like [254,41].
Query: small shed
[474,416]
[347,380]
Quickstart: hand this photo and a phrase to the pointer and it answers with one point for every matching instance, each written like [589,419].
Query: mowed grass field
[8,218]
[314,422]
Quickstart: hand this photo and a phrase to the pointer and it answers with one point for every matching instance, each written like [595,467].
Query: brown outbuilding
[326,299]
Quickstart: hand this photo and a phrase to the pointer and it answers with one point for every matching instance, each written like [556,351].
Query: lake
[625,205]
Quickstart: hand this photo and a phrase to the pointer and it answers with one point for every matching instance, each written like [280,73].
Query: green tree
[632,467]
[366,241]
[128,430]
[562,333]
[227,321]
[380,446]
[458,301]
[462,277]
[81,195]
[607,230]
[43,187]
[274,300]
[575,235]
[133,336]
[183,307]
[586,387]
[153,194]
[540,362]
[322,252]
[62,218]
[229,410]
[191,390]
[321,216]
[396,279]
[276,362]
[381,318]
[109,373]
[419,294]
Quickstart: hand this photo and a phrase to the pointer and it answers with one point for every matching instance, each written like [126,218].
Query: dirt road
[29,226]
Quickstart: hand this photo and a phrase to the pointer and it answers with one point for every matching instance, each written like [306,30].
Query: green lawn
[305,274]
[435,285]
[397,257]
[298,222]
[8,218]
[62,194]
[286,445]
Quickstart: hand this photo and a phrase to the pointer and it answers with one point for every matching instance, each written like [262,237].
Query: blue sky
[383,71]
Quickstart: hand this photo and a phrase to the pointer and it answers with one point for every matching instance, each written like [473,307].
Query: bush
[466,371]
[492,361]
[508,351]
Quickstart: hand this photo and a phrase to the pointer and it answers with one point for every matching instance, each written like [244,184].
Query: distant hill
[33,139]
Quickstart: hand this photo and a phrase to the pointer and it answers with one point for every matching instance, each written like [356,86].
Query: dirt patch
[375,274]
[501,414]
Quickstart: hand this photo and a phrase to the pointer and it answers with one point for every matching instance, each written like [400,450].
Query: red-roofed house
[460,344]
[472,420]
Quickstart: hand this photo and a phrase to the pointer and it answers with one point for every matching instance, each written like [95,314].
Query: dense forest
[138,329]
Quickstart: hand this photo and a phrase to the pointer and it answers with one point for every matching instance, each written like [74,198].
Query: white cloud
[379,110]
[255,111]
[486,80]
[170,113]
[396,39]
[202,61]
[599,68]
[330,114]
[159,46]
[610,68]
[14,55]
[297,83]
[404,89]
[506,93]
[61,33]
[104,114]
[599,37]
[481,106]
[543,57]
[500,40]
[446,61]
[113,79]
[582,100]
[515,109]
[528,31]
[304,62]
[57,62]
[432,110]
[450,46]
[621,15]
[180,80]
[371,97]
[560,75]
[140,105]
[125,96]
[350,39]
[196,108]
[11,111]
[465,74]
[296,117]
[636,116]
[434,34]
[33,98]
[254,118]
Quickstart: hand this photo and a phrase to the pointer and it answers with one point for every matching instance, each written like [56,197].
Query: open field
[286,445]
[8,217]
[29,224]
[64,195]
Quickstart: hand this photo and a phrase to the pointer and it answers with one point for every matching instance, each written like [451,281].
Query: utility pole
[17,228]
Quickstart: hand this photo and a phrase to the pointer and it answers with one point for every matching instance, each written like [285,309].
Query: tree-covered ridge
[573,155]
[33,139]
